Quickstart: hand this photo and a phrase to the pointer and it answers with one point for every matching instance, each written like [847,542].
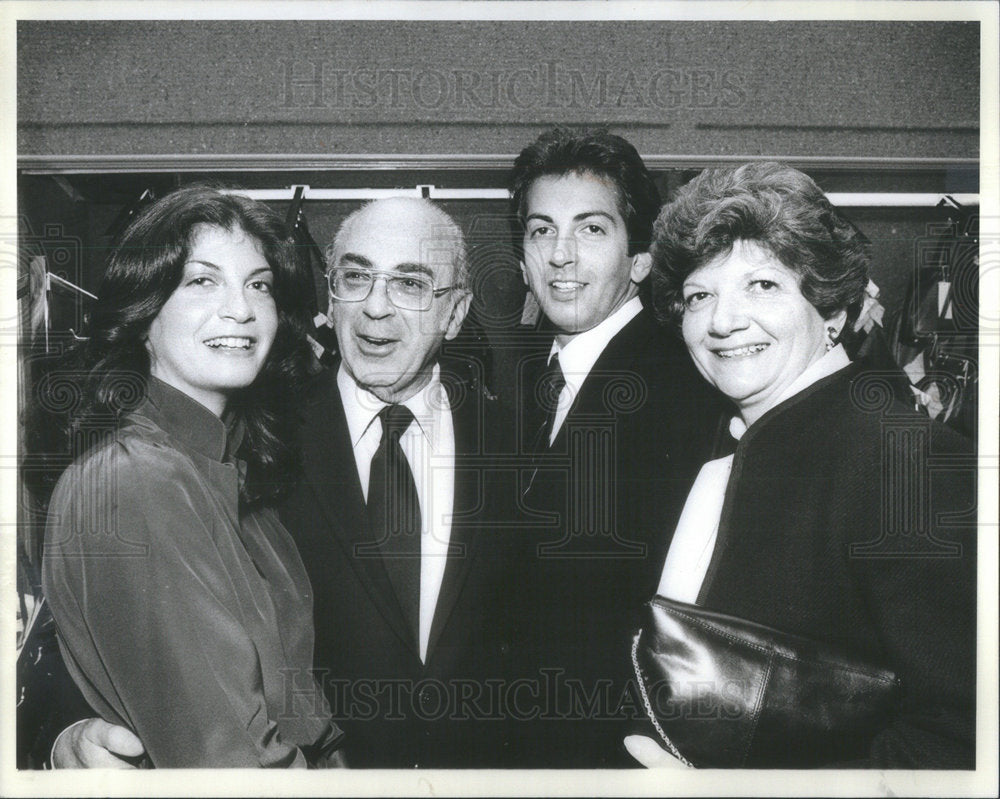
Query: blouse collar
[190,422]
[832,361]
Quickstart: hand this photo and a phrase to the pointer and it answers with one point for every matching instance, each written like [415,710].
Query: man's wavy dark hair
[110,368]
[563,151]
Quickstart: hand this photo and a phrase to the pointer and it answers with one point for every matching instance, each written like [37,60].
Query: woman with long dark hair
[183,609]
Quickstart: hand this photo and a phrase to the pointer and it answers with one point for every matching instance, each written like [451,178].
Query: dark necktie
[394,513]
[549,387]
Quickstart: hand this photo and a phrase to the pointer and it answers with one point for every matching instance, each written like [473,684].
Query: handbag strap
[648,705]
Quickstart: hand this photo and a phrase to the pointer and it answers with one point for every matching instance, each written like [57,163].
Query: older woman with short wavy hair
[826,522]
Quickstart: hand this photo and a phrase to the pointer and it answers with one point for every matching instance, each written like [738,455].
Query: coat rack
[431,192]
[53,280]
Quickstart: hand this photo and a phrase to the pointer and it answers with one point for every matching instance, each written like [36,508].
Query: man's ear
[147,346]
[524,272]
[329,308]
[458,314]
[642,262]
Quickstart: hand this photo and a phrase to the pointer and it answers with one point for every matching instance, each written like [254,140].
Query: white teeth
[230,342]
[739,352]
[566,285]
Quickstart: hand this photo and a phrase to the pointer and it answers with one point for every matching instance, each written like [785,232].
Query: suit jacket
[600,507]
[850,519]
[396,711]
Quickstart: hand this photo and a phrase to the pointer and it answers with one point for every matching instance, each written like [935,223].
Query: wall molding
[324,162]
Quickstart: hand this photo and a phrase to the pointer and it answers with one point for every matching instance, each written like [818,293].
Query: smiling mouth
[566,286]
[375,341]
[230,342]
[741,352]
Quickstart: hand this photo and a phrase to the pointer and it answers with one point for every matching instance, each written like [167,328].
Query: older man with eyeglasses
[398,284]
[391,517]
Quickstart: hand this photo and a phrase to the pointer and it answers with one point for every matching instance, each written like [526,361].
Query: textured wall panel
[786,88]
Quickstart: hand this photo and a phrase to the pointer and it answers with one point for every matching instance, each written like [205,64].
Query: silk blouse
[182,614]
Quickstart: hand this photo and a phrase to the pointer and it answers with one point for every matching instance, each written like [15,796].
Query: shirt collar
[190,422]
[581,353]
[832,361]
[361,406]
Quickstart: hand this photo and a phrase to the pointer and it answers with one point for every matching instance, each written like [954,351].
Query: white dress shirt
[694,540]
[578,357]
[429,446]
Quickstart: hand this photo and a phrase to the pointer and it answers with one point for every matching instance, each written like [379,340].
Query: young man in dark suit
[618,423]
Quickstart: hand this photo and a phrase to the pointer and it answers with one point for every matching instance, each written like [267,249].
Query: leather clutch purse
[724,692]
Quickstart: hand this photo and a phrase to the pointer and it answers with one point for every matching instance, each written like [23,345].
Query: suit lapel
[331,474]
[532,364]
[730,508]
[614,363]
[463,542]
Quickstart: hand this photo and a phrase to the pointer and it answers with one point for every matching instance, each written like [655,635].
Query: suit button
[425,697]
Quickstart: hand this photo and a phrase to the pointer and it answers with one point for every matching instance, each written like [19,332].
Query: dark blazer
[599,513]
[851,519]
[396,711]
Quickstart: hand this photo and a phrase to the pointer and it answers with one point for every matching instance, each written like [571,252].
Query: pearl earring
[831,338]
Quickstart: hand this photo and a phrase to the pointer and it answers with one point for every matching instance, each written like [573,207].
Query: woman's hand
[650,753]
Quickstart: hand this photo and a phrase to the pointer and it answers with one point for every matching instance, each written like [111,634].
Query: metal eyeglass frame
[387,275]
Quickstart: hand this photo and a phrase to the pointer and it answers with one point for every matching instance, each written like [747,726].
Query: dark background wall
[723,88]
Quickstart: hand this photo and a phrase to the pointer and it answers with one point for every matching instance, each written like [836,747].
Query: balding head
[412,217]
[386,349]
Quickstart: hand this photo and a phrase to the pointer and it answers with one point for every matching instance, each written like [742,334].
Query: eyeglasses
[407,292]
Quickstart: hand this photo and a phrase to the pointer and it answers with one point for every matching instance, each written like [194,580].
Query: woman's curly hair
[775,206]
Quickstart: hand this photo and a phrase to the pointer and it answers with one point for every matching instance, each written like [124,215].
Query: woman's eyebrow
[209,264]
